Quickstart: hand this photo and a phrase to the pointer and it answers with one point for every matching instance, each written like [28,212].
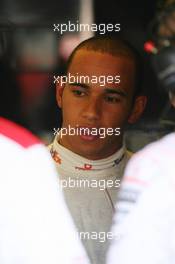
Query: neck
[96,155]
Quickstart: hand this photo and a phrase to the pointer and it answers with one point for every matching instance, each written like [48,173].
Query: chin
[84,151]
[91,154]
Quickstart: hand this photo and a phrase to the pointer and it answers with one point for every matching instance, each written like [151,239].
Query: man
[101,92]
[144,222]
[147,234]
[35,226]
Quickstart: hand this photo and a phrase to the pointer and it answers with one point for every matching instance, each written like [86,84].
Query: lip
[89,137]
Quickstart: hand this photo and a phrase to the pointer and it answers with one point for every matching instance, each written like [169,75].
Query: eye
[112,99]
[78,93]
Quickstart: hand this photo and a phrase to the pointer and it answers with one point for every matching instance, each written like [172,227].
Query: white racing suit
[35,226]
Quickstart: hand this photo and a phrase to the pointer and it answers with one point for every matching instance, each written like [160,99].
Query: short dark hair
[115,46]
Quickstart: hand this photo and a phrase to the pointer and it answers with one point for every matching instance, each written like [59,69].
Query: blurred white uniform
[35,227]
[147,230]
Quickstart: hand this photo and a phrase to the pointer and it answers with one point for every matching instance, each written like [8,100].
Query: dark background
[29,52]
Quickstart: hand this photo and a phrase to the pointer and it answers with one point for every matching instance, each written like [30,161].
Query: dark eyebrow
[83,85]
[116,91]
[107,90]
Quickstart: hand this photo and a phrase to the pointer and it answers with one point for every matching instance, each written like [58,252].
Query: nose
[92,110]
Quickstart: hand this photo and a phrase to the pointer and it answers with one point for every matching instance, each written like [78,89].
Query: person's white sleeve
[35,226]
[147,234]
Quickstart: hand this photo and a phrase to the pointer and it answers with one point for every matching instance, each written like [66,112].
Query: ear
[138,108]
[172,98]
[59,93]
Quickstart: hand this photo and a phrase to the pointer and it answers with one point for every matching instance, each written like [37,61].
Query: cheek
[111,120]
[116,116]
[69,101]
[70,112]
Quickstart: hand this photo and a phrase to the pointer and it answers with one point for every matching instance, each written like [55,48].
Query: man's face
[91,105]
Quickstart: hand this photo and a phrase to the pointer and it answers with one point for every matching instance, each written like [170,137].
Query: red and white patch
[17,133]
